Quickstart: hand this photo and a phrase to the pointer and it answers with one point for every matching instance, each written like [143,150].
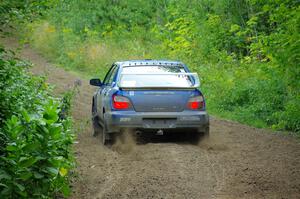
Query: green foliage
[35,141]
[246,51]
[37,155]
[18,89]
[21,11]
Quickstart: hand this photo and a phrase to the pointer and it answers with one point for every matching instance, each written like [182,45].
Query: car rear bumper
[117,120]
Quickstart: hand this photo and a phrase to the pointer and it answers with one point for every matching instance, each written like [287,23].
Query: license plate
[159,123]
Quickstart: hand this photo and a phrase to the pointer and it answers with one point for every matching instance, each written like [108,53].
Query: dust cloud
[125,142]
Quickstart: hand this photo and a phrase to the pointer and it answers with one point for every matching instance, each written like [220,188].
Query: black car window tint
[113,74]
[108,75]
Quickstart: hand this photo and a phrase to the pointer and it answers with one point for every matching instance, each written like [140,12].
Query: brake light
[196,103]
[120,102]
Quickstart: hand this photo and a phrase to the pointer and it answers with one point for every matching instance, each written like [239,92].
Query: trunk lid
[158,100]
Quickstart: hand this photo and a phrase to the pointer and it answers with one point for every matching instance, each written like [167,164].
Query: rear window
[153,69]
[155,76]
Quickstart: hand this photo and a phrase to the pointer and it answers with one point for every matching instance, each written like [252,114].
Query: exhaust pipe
[160,132]
[138,133]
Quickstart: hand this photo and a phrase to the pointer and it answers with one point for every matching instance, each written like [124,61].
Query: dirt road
[236,162]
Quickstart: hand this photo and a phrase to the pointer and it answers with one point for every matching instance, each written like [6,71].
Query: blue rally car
[148,95]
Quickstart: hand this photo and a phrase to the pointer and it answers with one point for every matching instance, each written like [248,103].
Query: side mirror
[95,82]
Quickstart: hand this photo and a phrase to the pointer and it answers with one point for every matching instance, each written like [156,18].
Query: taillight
[120,102]
[196,103]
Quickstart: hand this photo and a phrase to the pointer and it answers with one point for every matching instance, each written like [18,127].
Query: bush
[35,142]
[18,89]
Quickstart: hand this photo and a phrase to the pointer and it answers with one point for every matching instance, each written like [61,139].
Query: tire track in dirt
[236,162]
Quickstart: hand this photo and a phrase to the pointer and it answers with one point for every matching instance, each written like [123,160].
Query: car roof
[150,62]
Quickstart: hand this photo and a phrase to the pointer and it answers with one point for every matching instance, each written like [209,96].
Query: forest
[246,52]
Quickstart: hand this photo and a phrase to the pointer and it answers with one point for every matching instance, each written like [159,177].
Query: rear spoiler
[193,77]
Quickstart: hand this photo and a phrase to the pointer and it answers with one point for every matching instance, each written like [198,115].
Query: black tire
[200,135]
[194,136]
[206,132]
[96,126]
[105,136]
[204,135]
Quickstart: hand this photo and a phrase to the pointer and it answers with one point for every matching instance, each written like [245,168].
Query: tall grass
[90,56]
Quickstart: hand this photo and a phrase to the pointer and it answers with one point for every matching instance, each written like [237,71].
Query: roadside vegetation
[245,51]
[36,134]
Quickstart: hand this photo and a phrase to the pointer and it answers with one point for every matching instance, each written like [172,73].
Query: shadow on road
[167,137]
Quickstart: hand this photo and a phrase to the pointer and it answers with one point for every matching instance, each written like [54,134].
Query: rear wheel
[204,134]
[200,135]
[95,121]
[96,126]
[105,136]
